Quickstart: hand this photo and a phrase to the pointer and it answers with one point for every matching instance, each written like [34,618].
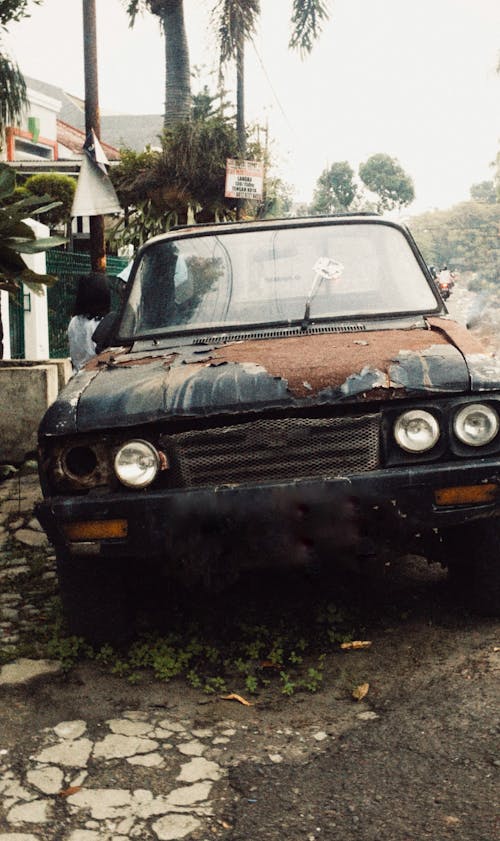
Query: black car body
[273,393]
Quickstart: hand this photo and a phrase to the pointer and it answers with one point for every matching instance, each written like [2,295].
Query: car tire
[95,598]
[473,560]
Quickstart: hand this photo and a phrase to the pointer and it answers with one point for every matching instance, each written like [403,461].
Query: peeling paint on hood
[124,388]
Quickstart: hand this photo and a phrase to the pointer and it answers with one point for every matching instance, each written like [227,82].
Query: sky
[414,79]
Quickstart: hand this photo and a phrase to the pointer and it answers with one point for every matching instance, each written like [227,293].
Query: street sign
[244,179]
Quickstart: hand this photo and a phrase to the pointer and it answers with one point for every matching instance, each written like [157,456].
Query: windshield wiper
[324,268]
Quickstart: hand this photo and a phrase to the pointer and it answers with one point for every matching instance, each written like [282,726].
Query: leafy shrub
[59,188]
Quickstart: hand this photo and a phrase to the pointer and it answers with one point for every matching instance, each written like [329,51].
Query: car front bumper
[275,524]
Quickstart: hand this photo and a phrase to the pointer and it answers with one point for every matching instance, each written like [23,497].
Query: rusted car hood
[126,387]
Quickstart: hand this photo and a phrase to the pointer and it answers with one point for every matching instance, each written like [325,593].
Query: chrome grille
[276,450]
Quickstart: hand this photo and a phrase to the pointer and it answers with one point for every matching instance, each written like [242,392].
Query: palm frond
[235,22]
[307,18]
[13,97]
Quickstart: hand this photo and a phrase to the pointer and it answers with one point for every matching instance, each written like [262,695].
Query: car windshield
[272,276]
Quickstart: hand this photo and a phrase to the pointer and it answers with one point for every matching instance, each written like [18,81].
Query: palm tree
[12,85]
[13,99]
[236,21]
[307,18]
[177,75]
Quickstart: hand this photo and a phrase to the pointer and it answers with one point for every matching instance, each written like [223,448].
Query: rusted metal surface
[483,365]
[457,334]
[125,388]
[354,363]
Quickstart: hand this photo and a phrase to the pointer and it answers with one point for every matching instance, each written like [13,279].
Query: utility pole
[93,121]
[240,111]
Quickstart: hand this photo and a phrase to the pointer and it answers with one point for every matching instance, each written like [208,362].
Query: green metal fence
[67,266]
[16,323]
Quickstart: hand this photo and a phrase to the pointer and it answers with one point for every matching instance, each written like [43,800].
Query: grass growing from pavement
[270,633]
[237,644]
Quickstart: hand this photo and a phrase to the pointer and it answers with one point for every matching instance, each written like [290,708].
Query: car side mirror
[104,332]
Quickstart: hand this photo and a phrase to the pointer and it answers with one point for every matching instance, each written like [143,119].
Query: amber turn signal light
[466,494]
[96,529]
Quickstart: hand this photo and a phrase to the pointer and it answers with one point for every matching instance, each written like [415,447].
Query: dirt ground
[426,767]
[416,758]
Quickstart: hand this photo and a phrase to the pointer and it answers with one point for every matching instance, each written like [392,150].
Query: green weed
[247,647]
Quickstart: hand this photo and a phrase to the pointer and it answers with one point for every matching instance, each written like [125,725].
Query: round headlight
[476,424]
[416,431]
[136,464]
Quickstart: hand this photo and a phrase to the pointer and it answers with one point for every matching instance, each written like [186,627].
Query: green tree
[335,189]
[12,11]
[235,24]
[385,177]
[484,191]
[465,238]
[277,201]
[60,188]
[307,20]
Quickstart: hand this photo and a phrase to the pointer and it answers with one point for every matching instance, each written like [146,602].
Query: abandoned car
[273,393]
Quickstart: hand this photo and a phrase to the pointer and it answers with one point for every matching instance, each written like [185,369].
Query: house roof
[73,139]
[133,131]
[72,109]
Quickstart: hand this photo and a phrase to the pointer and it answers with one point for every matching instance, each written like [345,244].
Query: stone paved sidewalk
[135,776]
[27,564]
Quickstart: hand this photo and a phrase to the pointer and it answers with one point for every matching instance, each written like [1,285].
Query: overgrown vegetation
[248,654]
[465,238]
[242,644]
[184,181]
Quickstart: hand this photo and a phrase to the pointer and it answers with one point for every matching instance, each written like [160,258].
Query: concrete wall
[28,386]
[27,389]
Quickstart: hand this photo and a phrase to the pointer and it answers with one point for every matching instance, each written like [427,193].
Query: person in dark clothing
[92,303]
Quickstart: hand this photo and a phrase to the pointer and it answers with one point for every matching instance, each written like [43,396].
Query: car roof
[217,228]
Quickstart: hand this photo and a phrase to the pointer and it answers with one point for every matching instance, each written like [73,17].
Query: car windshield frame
[321,277]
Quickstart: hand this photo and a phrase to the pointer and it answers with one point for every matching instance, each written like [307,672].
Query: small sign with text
[244,179]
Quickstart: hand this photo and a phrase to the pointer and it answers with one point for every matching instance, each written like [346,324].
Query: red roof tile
[73,139]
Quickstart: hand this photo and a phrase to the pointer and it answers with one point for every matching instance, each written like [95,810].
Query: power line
[266,74]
